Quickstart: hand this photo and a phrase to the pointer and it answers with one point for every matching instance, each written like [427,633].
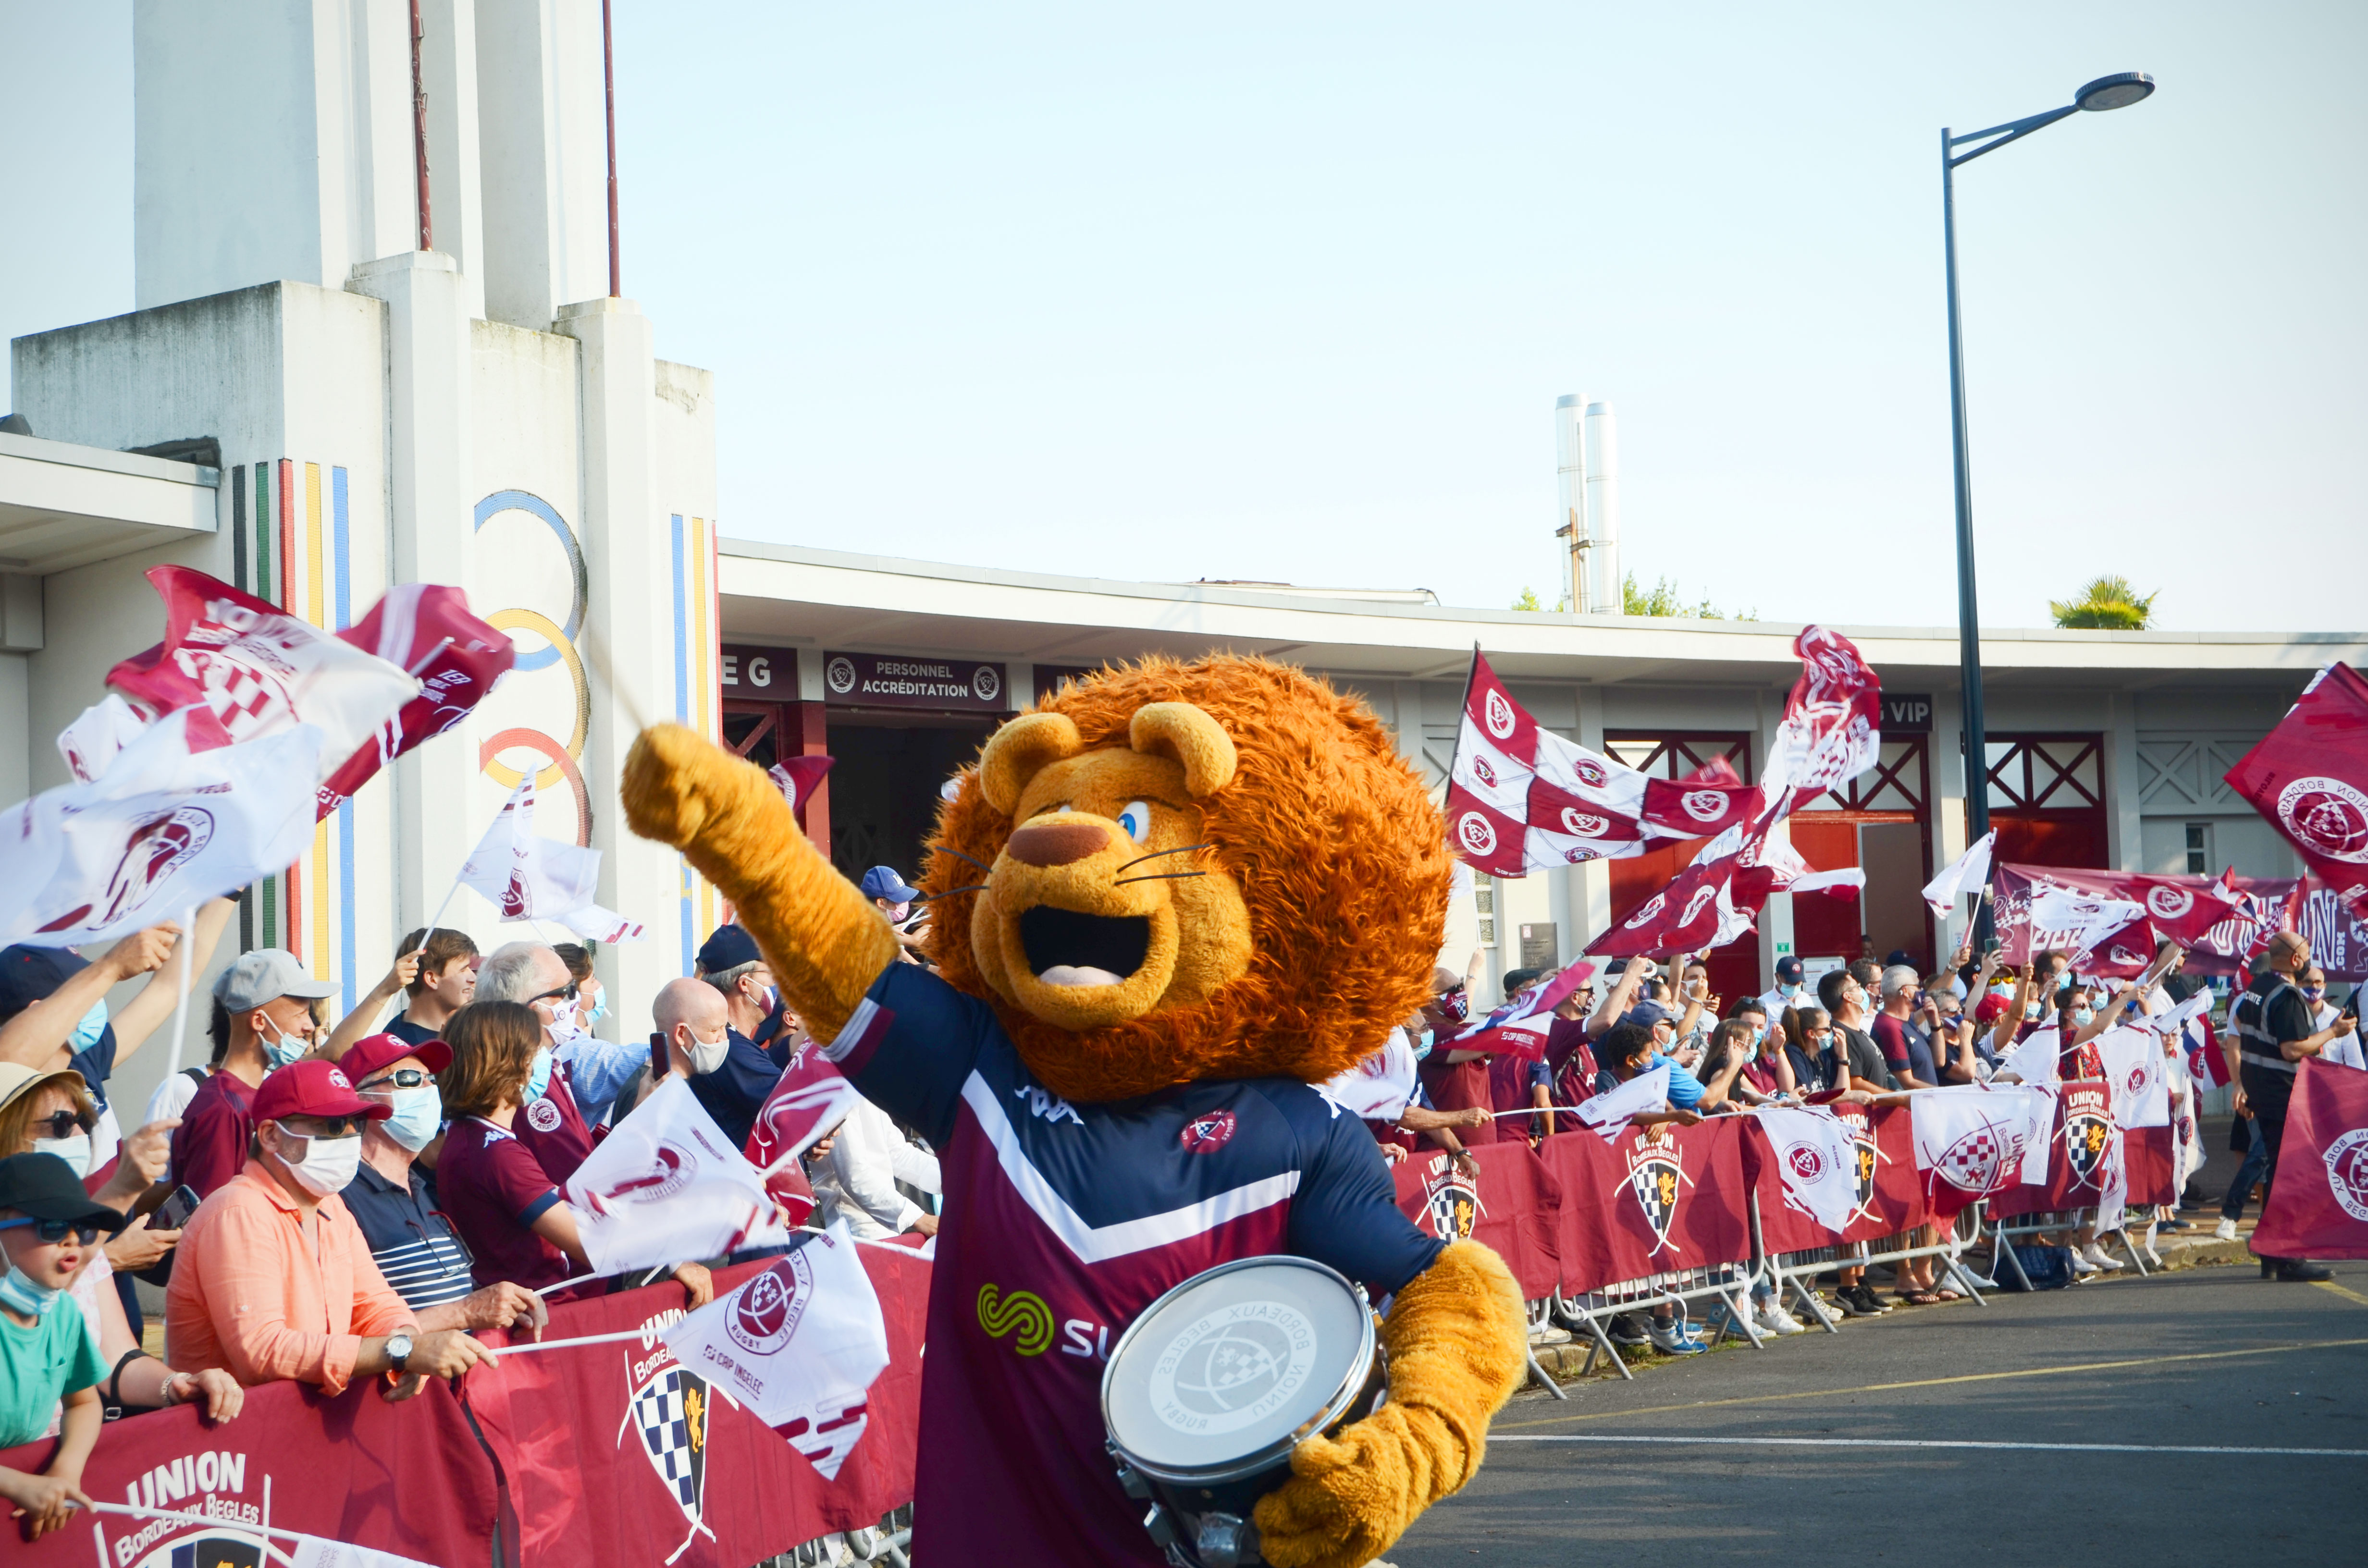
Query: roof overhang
[858,603]
[64,505]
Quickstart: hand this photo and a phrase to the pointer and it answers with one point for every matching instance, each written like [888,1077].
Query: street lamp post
[2105,93]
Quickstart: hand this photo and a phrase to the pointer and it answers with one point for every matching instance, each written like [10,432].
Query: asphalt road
[2201,1357]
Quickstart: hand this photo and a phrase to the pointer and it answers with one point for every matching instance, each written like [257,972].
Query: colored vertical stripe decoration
[292,879]
[341,534]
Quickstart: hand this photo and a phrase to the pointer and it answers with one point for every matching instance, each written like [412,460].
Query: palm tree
[2107,604]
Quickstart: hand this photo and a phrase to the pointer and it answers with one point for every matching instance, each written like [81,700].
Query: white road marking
[1921,1443]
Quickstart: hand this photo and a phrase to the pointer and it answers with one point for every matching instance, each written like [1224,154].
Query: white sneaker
[1675,1340]
[1773,1319]
[2224,1231]
[2100,1257]
[2082,1266]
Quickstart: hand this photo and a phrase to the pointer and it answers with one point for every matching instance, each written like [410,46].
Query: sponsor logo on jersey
[1022,1317]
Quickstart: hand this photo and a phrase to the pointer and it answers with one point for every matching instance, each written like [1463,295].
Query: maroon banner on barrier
[1890,1191]
[1512,1211]
[1655,1201]
[2318,1196]
[409,1478]
[2149,1155]
[2080,1150]
[617,1454]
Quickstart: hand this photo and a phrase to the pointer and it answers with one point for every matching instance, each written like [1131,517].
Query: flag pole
[181,1007]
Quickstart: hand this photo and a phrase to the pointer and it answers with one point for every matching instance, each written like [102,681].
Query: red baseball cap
[373,1055]
[1988,1009]
[315,1086]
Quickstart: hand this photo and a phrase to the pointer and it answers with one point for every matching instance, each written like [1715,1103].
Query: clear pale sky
[1289,292]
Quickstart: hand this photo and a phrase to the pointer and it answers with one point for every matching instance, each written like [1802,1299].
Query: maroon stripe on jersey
[867,1040]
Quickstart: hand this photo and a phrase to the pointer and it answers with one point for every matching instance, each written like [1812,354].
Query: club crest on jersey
[543,1115]
[1207,1134]
[1656,1179]
[2088,1132]
[1452,1203]
[2346,1172]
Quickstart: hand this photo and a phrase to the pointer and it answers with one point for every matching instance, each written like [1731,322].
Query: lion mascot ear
[1020,751]
[1186,735]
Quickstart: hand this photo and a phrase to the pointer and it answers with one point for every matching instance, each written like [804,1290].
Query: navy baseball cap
[882,882]
[1645,1015]
[28,974]
[1788,970]
[729,948]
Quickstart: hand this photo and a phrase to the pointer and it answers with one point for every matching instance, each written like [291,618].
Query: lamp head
[2118,91]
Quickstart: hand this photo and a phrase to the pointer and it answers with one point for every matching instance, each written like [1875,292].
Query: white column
[544,145]
[2124,823]
[432,532]
[448,71]
[628,622]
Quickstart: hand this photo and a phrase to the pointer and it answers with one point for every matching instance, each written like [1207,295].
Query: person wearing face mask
[903,906]
[48,1228]
[276,1281]
[1454,1080]
[576,1078]
[394,1203]
[730,964]
[1789,991]
[262,1022]
[729,1078]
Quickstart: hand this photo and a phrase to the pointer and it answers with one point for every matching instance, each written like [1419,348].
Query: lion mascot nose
[1056,844]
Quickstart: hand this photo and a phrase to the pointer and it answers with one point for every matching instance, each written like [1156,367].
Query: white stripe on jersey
[427,1273]
[1092,1245]
[857,1022]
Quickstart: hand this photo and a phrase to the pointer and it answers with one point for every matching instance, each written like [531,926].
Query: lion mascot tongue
[1168,899]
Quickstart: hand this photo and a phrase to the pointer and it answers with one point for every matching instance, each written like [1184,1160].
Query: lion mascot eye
[1136,820]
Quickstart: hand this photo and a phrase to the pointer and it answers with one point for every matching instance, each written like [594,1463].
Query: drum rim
[1335,1405]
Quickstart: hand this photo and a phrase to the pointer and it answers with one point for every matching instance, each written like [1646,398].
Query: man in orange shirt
[275,1279]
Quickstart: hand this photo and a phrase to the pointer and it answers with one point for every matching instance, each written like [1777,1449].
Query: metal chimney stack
[1570,457]
[1602,474]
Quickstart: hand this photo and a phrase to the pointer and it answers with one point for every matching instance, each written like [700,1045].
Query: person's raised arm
[356,1024]
[2002,1032]
[1619,998]
[36,1035]
[162,994]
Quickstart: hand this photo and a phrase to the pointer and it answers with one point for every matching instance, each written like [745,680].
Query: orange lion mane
[1339,854]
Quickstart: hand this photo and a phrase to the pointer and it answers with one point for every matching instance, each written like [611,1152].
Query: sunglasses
[564,993]
[51,1231]
[330,1127]
[400,1078]
[60,1124]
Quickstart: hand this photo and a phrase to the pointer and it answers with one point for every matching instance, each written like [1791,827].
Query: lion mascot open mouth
[1165,903]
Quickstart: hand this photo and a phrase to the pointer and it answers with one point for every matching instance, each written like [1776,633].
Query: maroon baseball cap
[373,1055]
[315,1086]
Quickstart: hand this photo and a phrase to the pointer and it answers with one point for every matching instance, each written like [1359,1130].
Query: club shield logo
[2166,902]
[1657,1180]
[766,1311]
[1497,713]
[1705,806]
[1477,834]
[2346,1172]
[2088,1132]
[1583,825]
[1449,1202]
[2326,816]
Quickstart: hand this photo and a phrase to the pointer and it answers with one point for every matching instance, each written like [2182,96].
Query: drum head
[1235,1361]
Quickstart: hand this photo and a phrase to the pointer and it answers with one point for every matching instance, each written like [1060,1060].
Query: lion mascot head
[1172,872]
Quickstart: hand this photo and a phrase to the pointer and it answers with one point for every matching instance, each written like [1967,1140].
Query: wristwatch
[398,1350]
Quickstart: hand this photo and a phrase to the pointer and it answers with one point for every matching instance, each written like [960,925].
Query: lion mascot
[1167,902]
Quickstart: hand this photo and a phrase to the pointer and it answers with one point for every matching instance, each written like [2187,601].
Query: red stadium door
[2048,801]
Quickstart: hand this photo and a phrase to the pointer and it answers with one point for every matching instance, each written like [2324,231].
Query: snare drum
[1210,1389]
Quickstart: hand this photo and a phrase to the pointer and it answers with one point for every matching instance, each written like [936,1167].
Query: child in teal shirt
[47,1225]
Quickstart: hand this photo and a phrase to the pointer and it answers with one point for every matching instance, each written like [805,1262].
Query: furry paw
[668,787]
[1348,1498]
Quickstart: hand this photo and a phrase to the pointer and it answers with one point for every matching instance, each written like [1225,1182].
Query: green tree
[2107,604]
[1528,601]
[1664,600]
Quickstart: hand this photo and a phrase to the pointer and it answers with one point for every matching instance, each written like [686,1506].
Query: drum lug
[1225,1541]
[1161,1527]
[1129,1482]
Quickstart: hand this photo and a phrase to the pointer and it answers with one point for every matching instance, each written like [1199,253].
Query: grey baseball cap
[266,975]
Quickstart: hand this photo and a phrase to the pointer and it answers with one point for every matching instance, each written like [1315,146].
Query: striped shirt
[413,1245]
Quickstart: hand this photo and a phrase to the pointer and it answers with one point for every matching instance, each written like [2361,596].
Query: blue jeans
[2257,1161]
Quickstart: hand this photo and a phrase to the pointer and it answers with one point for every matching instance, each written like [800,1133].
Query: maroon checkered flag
[1521,798]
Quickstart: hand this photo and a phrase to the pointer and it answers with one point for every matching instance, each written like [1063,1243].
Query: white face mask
[566,1028]
[74,1151]
[706,1056]
[328,1164]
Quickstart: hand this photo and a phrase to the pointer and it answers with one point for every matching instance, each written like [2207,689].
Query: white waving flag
[1983,1139]
[2036,1061]
[1608,1113]
[1379,1087]
[1815,1156]
[798,1344]
[2086,919]
[530,877]
[1969,870]
[666,1184]
[2133,1066]
[161,830]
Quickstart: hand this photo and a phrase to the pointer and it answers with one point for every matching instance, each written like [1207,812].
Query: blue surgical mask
[1422,1045]
[537,1077]
[417,1114]
[92,1025]
[283,1049]
[599,1009]
[2083,1015]
[21,1292]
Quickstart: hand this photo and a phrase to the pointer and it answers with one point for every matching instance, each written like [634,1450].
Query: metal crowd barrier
[1727,1285]
[884,1542]
[1796,1271]
[2046,1222]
